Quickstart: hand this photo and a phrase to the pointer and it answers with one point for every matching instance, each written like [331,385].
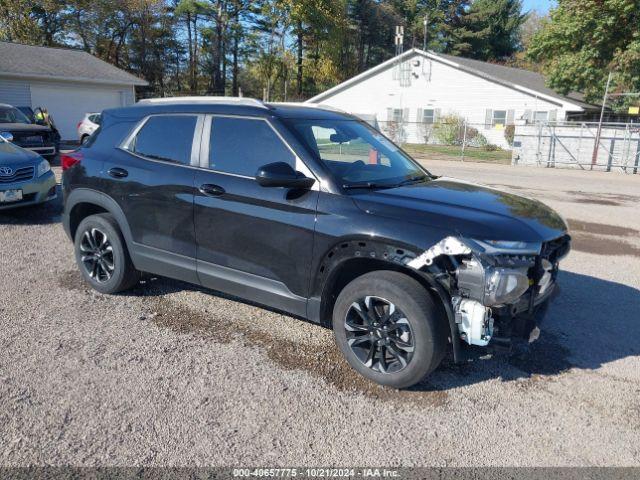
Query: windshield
[356,154]
[12,115]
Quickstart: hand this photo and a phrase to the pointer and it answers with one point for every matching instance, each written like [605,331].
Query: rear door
[152,178]
[252,241]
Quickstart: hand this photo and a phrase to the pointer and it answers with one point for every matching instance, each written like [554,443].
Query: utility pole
[594,157]
[399,40]
[425,22]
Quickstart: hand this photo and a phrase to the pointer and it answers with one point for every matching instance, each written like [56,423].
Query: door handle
[211,190]
[117,172]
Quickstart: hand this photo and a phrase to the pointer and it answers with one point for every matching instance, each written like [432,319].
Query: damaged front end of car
[497,289]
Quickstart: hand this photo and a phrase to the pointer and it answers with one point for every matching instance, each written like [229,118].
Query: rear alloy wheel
[389,328]
[97,255]
[102,255]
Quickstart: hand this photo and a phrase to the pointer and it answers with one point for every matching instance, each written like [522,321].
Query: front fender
[379,256]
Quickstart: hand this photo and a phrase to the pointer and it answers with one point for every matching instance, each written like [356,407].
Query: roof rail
[317,106]
[249,102]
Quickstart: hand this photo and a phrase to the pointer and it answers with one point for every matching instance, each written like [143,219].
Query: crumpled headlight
[490,283]
[43,167]
[496,247]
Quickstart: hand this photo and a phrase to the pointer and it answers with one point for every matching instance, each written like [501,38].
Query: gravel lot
[173,375]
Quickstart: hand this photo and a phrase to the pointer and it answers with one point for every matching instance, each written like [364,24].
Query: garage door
[67,105]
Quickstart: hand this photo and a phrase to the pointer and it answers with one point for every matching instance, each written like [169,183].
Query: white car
[88,125]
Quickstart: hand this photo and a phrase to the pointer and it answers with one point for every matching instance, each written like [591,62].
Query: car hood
[466,209]
[23,127]
[11,155]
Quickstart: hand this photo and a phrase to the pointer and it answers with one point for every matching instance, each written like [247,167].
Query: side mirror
[339,138]
[281,174]
[8,136]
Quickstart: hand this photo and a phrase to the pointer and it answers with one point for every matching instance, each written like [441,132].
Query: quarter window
[166,137]
[241,146]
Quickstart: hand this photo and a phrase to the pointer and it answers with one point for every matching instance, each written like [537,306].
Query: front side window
[166,137]
[499,117]
[356,154]
[12,115]
[241,146]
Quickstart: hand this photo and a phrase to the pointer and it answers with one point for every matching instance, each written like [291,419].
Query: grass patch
[452,152]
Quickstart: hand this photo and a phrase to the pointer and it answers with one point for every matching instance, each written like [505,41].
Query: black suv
[314,213]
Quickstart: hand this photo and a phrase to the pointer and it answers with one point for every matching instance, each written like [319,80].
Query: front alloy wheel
[379,334]
[389,328]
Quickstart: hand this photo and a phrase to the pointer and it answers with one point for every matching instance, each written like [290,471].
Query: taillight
[78,127]
[68,160]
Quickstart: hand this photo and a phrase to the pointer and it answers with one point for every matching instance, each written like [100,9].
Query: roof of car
[228,106]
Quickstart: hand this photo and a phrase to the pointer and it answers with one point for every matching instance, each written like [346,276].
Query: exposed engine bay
[495,287]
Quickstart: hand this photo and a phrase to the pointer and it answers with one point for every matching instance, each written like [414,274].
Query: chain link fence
[545,144]
[575,145]
[453,140]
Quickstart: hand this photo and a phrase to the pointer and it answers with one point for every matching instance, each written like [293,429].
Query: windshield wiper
[372,185]
[415,179]
[369,185]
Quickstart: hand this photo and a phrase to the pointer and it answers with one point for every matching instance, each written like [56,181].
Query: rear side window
[166,137]
[92,138]
[241,146]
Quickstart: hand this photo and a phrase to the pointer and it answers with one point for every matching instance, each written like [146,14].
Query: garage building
[68,83]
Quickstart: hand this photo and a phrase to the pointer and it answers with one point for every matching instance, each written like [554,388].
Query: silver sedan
[25,177]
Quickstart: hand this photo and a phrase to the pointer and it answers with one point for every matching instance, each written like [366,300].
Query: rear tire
[389,329]
[102,256]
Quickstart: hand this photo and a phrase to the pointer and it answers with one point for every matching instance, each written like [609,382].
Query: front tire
[389,328]
[102,256]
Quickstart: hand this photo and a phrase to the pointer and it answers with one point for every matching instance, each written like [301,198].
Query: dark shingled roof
[508,76]
[17,60]
[518,76]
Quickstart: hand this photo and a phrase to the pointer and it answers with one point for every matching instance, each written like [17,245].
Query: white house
[68,83]
[412,91]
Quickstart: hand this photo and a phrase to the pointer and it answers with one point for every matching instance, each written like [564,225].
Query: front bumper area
[521,320]
[34,192]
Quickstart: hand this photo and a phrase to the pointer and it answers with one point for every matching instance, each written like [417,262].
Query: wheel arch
[83,202]
[350,259]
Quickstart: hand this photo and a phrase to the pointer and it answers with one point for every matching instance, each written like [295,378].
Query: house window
[428,115]
[499,117]
[541,116]
[396,115]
